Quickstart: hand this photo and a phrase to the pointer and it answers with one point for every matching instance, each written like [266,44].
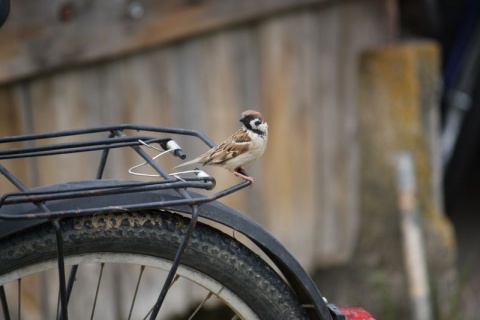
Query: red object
[356,313]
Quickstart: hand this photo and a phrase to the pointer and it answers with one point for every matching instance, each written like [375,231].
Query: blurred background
[346,86]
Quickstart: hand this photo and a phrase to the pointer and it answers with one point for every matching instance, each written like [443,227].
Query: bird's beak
[242,118]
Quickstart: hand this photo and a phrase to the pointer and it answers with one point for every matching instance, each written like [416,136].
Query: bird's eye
[258,122]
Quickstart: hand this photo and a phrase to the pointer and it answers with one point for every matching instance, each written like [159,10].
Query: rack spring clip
[172,147]
[199,173]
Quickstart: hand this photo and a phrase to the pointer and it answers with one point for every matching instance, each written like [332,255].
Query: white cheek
[263,127]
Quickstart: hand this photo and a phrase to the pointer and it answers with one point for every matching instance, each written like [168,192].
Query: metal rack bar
[116,139]
[3,299]
[176,263]
[188,234]
[61,269]
[126,188]
[103,160]
[59,243]
[111,209]
[122,127]
[74,147]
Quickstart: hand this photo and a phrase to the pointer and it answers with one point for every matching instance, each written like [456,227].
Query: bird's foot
[244,177]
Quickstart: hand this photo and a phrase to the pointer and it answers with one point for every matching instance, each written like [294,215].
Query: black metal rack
[116,138]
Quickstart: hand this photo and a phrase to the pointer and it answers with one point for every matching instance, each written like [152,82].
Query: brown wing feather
[233,146]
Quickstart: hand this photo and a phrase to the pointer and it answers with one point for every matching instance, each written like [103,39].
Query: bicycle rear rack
[116,138]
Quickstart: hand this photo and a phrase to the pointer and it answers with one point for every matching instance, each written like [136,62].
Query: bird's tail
[186,163]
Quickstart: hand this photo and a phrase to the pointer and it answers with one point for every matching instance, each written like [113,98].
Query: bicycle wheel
[213,260]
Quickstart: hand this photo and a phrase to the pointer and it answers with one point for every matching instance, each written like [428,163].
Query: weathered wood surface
[42,35]
[397,113]
[298,69]
[11,123]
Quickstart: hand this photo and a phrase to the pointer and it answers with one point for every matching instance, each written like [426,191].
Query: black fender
[297,277]
[4,11]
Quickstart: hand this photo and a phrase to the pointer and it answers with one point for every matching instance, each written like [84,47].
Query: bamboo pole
[412,239]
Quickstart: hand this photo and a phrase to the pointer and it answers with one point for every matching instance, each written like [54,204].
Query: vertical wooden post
[397,112]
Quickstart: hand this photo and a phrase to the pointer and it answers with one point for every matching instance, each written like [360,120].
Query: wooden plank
[134,89]
[12,122]
[308,90]
[352,27]
[40,36]
[55,105]
[327,243]
[224,103]
[288,170]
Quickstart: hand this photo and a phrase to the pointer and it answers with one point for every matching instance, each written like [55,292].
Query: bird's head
[253,120]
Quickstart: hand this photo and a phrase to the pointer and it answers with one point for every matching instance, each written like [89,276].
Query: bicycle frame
[28,207]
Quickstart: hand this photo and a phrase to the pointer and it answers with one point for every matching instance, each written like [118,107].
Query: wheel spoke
[98,289]
[142,268]
[19,298]
[209,295]
[150,311]
[58,306]
[173,281]
[171,285]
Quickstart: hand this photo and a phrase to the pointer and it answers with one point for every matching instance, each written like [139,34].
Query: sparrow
[242,148]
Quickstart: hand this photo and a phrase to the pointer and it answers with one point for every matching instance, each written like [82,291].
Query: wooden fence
[198,66]
[324,186]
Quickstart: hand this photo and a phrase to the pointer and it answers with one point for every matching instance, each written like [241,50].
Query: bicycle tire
[158,234]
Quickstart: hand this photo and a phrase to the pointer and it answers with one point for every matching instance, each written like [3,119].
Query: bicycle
[148,225]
